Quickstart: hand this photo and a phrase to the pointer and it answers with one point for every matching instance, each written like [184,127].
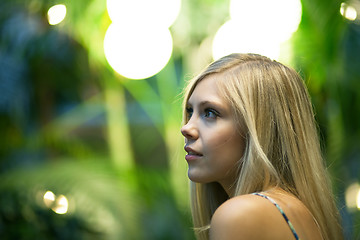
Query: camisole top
[282,213]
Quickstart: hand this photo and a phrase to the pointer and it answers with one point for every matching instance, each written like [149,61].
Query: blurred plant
[327,54]
[104,203]
[101,203]
[62,106]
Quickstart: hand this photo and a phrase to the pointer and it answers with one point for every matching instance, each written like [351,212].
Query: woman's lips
[190,157]
[192,154]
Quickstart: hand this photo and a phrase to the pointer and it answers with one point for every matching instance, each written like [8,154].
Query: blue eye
[211,113]
[189,112]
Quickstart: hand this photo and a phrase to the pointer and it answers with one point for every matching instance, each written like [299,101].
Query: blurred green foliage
[71,125]
[327,48]
[64,120]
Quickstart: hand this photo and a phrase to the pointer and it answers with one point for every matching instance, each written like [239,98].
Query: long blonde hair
[272,105]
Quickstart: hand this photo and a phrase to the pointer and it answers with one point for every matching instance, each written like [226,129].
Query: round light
[137,52]
[56,14]
[280,18]
[348,12]
[259,26]
[49,198]
[155,12]
[352,196]
[61,206]
[240,37]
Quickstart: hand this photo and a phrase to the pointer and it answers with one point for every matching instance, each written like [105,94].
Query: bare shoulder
[242,217]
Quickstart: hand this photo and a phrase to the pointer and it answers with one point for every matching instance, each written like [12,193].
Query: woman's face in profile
[212,140]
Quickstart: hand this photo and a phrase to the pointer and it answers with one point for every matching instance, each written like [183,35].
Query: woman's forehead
[207,92]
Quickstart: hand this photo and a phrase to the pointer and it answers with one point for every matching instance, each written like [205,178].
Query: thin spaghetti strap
[282,213]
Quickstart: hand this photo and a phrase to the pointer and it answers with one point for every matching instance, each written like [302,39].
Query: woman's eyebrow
[207,102]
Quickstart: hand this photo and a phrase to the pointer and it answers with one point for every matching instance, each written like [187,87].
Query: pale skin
[215,146]
[253,217]
[210,135]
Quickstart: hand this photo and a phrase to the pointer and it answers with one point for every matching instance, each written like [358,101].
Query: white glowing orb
[280,18]
[348,12]
[237,37]
[137,52]
[61,206]
[56,14]
[157,12]
[259,26]
[49,198]
[352,196]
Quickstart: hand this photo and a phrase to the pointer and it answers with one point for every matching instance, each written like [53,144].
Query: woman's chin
[197,178]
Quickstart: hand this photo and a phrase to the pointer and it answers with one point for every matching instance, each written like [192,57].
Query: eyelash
[207,111]
[189,112]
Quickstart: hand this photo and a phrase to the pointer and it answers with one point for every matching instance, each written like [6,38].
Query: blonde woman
[253,152]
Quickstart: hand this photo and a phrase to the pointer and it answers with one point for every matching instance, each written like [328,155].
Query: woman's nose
[189,131]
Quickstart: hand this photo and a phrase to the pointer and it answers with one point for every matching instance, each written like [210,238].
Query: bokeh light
[348,11]
[161,13]
[137,52]
[257,26]
[352,196]
[138,43]
[280,18]
[59,204]
[240,37]
[56,14]
[49,198]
